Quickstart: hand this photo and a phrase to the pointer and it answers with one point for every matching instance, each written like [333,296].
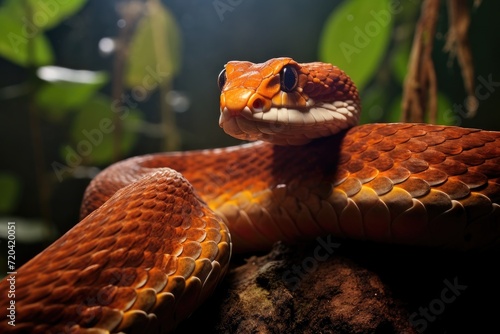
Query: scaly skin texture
[138,264]
[402,183]
[148,250]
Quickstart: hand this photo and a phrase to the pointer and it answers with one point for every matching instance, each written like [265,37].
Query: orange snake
[149,250]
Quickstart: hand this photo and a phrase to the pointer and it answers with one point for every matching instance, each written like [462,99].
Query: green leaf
[22,23]
[10,190]
[66,89]
[21,48]
[49,13]
[93,130]
[21,45]
[356,36]
[154,56]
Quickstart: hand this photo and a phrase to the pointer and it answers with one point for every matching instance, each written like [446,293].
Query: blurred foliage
[25,21]
[359,36]
[91,123]
[157,32]
[63,94]
[400,61]
[93,127]
[58,96]
[356,29]
[10,192]
[444,116]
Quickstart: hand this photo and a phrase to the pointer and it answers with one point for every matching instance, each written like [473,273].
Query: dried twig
[420,88]
[457,44]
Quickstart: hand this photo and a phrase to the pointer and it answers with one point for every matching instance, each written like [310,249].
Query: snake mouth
[290,126]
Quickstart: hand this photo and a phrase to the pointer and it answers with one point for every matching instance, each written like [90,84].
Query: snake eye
[221,80]
[289,78]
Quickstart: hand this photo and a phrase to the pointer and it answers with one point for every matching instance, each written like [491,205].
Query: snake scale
[157,231]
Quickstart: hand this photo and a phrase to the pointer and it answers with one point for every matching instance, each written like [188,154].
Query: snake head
[284,102]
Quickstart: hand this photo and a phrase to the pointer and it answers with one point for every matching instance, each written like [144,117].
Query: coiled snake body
[151,246]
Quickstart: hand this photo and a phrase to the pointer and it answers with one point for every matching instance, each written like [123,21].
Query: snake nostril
[258,104]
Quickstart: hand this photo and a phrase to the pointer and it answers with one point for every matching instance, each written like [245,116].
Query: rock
[329,286]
